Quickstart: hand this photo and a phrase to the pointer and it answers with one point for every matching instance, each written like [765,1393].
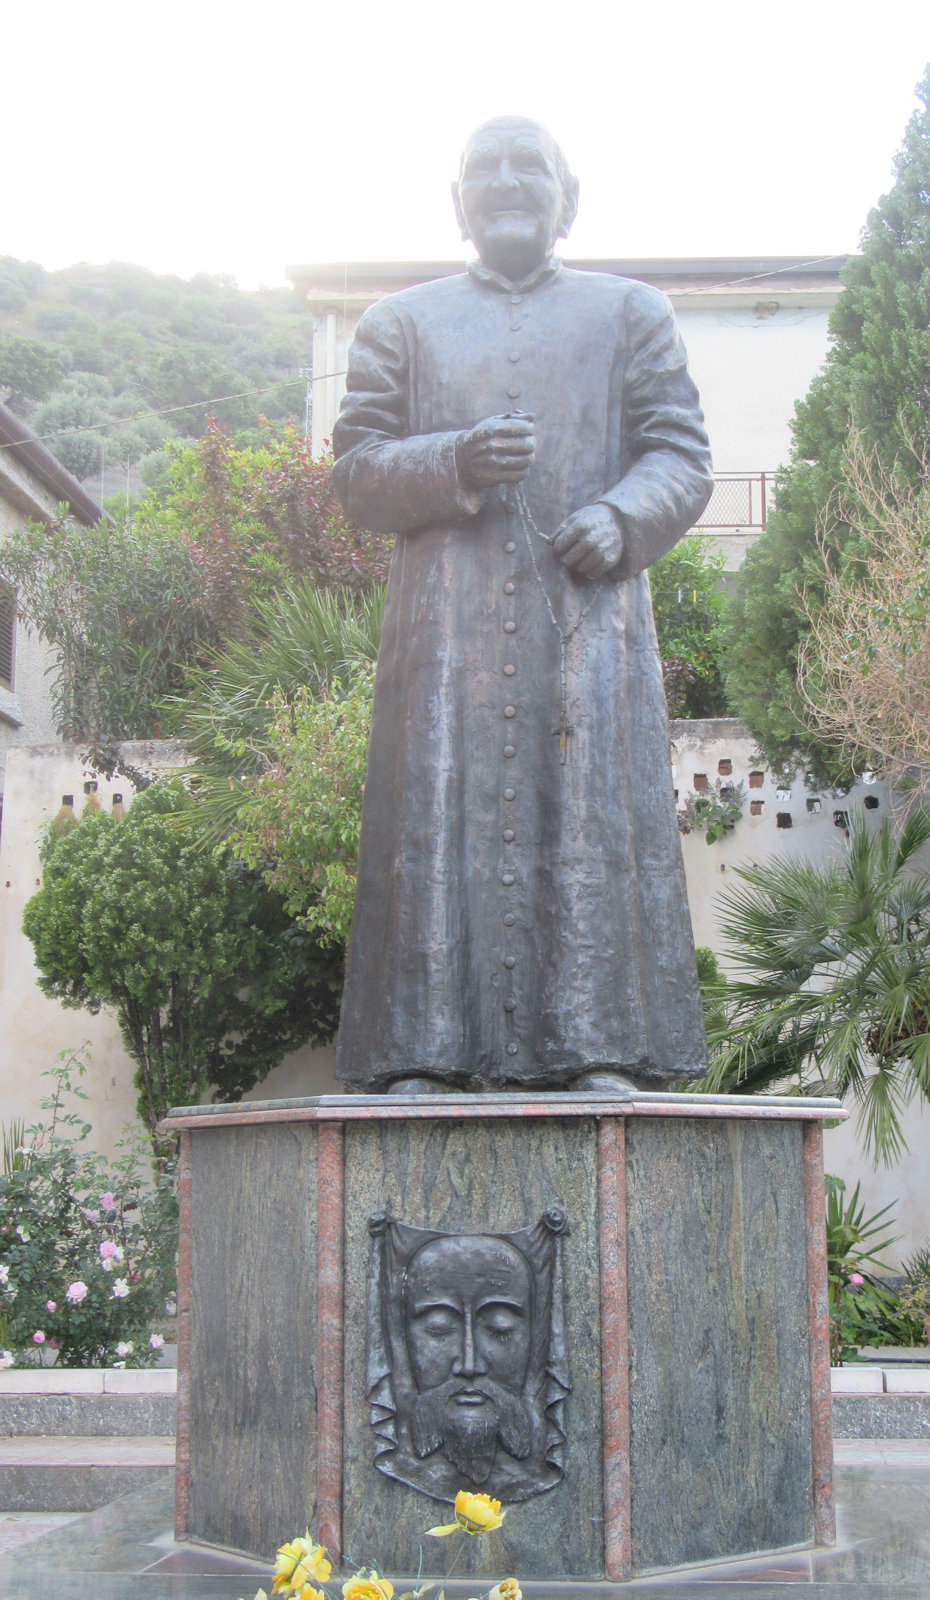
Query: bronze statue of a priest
[533,438]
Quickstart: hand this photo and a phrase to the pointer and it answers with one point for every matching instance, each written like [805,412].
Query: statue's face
[510,199]
[468,1319]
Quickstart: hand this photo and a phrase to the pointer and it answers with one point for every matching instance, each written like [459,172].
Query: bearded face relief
[466,1362]
[469,1307]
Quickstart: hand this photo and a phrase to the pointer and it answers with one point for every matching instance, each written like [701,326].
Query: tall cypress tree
[875,381]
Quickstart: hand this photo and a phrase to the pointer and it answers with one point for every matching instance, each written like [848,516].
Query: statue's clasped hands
[502,450]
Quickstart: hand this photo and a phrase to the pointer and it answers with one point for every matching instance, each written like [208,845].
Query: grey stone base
[881,1416]
[36,1487]
[89,1415]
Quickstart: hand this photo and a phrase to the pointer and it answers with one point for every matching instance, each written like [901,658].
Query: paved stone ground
[126,1548]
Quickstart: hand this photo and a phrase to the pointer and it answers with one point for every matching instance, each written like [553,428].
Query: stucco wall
[33,1030]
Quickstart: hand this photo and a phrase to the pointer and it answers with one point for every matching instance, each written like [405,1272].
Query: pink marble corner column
[615,1362]
[182,1457]
[330,1334]
[818,1325]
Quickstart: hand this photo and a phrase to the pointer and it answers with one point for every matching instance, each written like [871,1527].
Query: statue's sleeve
[669,479]
[388,479]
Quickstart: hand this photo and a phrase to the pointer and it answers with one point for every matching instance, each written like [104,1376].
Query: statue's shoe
[412,1088]
[604,1080]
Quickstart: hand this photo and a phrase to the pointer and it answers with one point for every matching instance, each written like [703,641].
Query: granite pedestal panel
[676,1399]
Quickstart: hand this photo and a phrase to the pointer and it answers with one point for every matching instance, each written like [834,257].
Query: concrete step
[71,1473]
[90,1403]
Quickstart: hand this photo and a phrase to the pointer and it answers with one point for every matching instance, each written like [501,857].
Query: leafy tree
[303,639]
[688,601]
[865,665]
[210,982]
[29,371]
[299,820]
[125,615]
[876,379]
[265,514]
[278,729]
[833,995]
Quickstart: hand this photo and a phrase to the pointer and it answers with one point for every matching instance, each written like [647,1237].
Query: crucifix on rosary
[563,729]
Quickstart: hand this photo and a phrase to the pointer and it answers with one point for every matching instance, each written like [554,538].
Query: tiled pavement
[126,1552]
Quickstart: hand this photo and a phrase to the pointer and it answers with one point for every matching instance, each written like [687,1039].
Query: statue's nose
[469,1363]
[505,177]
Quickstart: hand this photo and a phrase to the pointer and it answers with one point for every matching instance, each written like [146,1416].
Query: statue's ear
[569,207]
[459,213]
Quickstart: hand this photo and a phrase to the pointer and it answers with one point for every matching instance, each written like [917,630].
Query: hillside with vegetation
[107,363]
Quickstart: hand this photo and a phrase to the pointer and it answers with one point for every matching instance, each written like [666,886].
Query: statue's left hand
[590,541]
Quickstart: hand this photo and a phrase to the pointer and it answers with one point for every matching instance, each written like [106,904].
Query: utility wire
[165,411]
[290,383]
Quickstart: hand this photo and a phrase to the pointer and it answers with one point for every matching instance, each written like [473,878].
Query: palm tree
[305,638]
[833,988]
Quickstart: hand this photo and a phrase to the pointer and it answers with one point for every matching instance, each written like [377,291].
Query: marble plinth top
[469,1107]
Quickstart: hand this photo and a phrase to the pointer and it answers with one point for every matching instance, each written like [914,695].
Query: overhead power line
[291,383]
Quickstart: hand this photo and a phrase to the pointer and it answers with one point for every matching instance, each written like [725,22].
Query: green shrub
[87,1247]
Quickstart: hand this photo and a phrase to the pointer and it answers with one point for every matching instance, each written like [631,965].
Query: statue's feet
[604,1080]
[411,1088]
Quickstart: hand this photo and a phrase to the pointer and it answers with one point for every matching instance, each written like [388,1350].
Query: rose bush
[87,1248]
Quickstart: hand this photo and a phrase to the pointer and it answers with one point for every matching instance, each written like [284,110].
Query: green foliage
[713,812]
[29,370]
[688,602]
[854,1244]
[303,813]
[876,379]
[304,638]
[277,730]
[125,613]
[105,1231]
[261,515]
[711,980]
[210,982]
[834,995]
[163,345]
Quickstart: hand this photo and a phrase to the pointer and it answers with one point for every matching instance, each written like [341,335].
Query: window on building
[7,635]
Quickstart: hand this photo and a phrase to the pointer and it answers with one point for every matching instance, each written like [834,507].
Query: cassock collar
[496,280]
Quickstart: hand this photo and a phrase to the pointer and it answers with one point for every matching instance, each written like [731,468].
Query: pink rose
[76,1292]
[107,1201]
[38,1337]
[107,1250]
[856,1279]
[50,1305]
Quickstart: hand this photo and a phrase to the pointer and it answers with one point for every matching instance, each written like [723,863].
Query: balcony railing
[739,503]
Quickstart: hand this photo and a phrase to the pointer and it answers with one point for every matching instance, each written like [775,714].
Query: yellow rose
[477,1513]
[370,1588]
[296,1564]
[507,1589]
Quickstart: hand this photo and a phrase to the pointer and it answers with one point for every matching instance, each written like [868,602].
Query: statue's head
[468,1319]
[515,195]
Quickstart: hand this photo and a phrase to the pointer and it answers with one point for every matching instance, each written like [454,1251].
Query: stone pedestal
[687,1417]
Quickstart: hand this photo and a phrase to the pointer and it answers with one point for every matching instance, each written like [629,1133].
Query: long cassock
[521,913]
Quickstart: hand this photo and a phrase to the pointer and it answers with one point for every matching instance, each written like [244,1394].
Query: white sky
[197,136]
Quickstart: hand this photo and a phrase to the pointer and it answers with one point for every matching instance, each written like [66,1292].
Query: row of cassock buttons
[508,877]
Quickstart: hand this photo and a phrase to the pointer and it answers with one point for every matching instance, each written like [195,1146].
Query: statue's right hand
[497,450]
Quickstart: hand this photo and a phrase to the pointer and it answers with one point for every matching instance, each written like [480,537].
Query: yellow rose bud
[370,1588]
[477,1513]
[507,1589]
